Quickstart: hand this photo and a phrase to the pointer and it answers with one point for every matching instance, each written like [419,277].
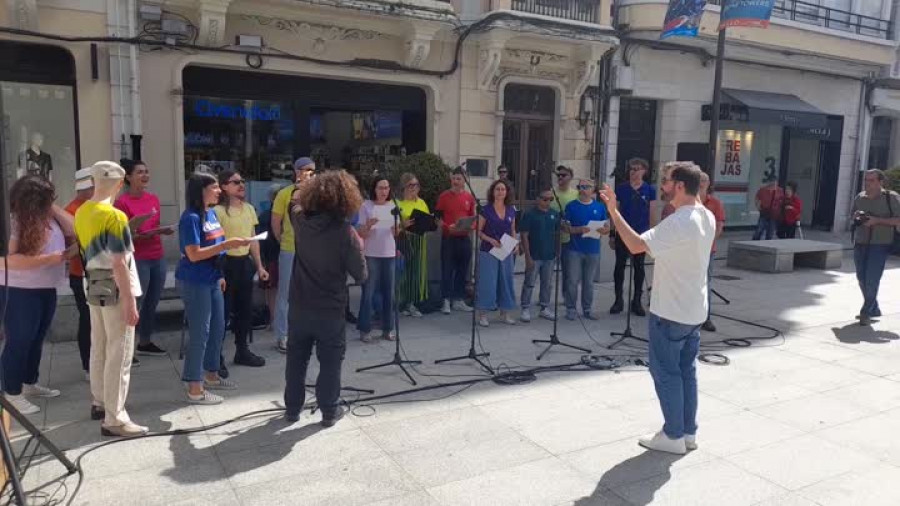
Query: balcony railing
[578,10]
[837,19]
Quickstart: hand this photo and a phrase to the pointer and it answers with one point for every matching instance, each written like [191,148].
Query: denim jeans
[673,366]
[581,270]
[455,254]
[870,260]
[285,269]
[380,281]
[152,275]
[544,269]
[764,226]
[29,312]
[204,307]
[495,283]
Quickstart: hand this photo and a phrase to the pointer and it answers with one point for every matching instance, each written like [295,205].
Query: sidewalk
[804,420]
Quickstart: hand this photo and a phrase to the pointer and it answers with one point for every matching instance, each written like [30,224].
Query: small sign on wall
[477,167]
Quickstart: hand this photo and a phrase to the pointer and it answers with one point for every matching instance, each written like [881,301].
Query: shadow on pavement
[856,334]
[650,463]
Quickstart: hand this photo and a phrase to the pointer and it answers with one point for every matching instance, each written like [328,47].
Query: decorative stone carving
[213,14]
[317,33]
[418,43]
[585,75]
[528,56]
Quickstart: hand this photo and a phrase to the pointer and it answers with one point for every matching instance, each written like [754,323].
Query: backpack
[895,243]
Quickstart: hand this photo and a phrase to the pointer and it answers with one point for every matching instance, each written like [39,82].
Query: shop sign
[747,13]
[682,18]
[209,109]
[734,157]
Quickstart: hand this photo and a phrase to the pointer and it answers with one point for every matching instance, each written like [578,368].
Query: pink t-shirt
[148,248]
[50,276]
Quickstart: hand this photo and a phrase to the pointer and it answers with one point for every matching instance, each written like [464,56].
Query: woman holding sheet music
[376,227]
[414,279]
[238,219]
[494,288]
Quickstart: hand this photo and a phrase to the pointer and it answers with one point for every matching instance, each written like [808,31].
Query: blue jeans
[285,269]
[764,226]
[580,269]
[495,283]
[544,268]
[673,366]
[870,260]
[29,312]
[380,281]
[152,275]
[204,307]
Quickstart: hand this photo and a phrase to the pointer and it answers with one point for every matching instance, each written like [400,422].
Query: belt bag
[101,287]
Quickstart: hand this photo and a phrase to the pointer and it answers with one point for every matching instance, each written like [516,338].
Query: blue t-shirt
[635,205]
[192,233]
[541,229]
[580,214]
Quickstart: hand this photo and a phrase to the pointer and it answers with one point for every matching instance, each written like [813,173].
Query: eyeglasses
[585,187]
[546,199]
[412,185]
[563,174]
[237,182]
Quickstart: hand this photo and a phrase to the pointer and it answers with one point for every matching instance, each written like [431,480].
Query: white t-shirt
[680,247]
[380,243]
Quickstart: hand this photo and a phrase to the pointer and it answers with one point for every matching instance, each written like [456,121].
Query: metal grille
[578,10]
[814,13]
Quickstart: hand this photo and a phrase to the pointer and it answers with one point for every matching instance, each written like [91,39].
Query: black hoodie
[326,252]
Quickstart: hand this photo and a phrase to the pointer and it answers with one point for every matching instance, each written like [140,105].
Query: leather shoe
[97,413]
[248,358]
[333,419]
[709,326]
[637,308]
[130,429]
[223,370]
[617,307]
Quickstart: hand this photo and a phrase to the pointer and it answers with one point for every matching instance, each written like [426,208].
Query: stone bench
[782,255]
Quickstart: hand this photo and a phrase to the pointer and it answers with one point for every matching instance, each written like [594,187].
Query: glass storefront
[745,159]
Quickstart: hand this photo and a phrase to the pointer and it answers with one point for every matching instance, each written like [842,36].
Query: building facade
[253,84]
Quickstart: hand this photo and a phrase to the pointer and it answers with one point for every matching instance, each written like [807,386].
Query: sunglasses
[562,175]
[585,187]
[237,182]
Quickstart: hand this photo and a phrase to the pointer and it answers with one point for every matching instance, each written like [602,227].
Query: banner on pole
[682,18]
[748,13]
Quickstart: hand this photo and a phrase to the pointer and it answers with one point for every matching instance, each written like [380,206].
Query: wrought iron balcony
[814,13]
[577,10]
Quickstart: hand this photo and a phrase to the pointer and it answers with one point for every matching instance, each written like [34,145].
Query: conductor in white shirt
[680,247]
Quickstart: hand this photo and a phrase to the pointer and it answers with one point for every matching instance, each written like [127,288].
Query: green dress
[413,286]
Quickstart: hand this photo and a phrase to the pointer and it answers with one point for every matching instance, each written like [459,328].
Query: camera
[861,218]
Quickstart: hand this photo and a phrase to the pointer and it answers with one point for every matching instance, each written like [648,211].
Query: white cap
[83,179]
[107,171]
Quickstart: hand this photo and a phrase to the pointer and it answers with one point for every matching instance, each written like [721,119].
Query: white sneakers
[412,311]
[662,443]
[690,442]
[526,315]
[547,314]
[483,321]
[457,305]
[39,391]
[23,405]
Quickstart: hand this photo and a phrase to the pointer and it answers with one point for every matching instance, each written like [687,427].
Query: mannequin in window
[37,162]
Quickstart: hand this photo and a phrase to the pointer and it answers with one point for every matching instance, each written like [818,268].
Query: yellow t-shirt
[238,223]
[282,207]
[564,198]
[408,206]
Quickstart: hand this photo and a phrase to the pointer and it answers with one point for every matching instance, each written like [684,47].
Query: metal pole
[714,114]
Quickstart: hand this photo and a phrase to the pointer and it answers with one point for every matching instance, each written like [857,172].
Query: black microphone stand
[472,354]
[554,339]
[397,360]
[627,333]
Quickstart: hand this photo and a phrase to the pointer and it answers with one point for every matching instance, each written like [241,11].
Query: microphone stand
[554,339]
[627,333]
[472,354]
[397,360]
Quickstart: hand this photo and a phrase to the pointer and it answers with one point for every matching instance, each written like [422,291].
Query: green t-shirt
[541,229]
[879,208]
[565,196]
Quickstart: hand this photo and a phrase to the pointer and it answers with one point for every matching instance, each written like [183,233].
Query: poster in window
[733,161]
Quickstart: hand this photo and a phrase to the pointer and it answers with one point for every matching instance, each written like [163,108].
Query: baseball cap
[107,171]
[83,179]
[303,161]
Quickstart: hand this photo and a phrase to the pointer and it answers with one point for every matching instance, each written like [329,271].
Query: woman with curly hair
[318,293]
[35,267]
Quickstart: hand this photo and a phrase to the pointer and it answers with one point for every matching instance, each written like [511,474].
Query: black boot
[223,370]
[350,317]
[617,306]
[709,326]
[243,356]
[637,308]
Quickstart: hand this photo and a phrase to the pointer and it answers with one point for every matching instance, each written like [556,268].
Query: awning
[769,108]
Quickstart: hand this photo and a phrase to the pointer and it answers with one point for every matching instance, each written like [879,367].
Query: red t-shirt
[789,216]
[75,267]
[768,196]
[455,205]
[716,207]
[148,248]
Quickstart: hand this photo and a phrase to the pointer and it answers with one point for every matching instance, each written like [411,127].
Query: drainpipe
[136,131]
[863,140]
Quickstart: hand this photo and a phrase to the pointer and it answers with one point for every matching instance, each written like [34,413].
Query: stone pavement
[807,419]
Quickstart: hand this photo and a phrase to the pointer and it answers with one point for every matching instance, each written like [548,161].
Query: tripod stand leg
[34,431]
[720,296]
[11,469]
